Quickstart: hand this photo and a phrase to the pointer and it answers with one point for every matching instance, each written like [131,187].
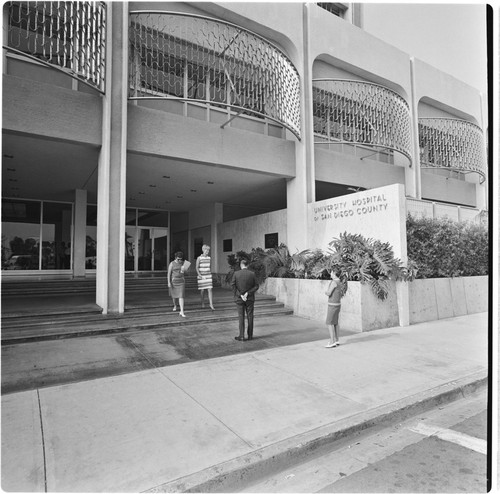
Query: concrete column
[300,190]
[111,190]
[402,289]
[79,233]
[5,34]
[216,242]
[308,127]
[413,183]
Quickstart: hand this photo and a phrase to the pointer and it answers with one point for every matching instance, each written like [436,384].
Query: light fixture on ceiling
[211,183]
[11,169]
[8,156]
[142,193]
[166,176]
[193,190]
[152,185]
[180,197]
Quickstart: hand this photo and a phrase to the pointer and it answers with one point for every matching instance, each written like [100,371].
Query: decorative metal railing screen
[67,35]
[356,112]
[194,58]
[452,143]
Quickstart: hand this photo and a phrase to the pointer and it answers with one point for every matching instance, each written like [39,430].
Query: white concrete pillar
[301,189]
[214,234]
[400,251]
[111,190]
[308,111]
[5,34]
[189,255]
[413,181]
[79,233]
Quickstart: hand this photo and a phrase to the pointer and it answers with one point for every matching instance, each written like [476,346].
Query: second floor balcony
[195,59]
[361,115]
[452,144]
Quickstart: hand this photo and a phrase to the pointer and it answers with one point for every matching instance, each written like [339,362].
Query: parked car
[19,262]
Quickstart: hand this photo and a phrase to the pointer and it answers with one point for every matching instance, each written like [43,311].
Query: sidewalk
[204,425]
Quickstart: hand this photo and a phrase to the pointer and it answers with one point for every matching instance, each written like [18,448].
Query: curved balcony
[68,36]
[452,144]
[361,113]
[192,58]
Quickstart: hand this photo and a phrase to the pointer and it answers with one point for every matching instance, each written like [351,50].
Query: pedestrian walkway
[203,426]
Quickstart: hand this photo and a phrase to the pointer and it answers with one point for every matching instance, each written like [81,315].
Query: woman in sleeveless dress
[203,268]
[177,282]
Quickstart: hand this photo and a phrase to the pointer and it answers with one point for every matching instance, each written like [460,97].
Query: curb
[228,476]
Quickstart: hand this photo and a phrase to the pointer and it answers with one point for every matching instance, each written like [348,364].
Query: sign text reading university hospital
[354,207]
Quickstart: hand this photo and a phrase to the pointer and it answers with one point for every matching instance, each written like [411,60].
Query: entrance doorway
[146,249]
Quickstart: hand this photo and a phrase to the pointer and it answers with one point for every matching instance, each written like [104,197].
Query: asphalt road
[442,450]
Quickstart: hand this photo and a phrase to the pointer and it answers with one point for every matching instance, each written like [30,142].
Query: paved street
[442,450]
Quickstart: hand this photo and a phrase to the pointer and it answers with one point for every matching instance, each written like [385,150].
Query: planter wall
[439,298]
[361,310]
[429,300]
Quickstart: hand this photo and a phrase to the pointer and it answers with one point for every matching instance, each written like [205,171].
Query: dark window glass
[130,216]
[228,245]
[91,238]
[152,218]
[270,240]
[20,234]
[56,236]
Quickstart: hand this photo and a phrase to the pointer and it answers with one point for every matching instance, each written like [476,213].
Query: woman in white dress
[203,268]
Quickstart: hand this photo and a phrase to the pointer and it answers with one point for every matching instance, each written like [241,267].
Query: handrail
[358,112]
[189,57]
[68,36]
[452,143]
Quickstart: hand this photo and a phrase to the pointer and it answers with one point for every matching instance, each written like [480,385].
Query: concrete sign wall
[376,213]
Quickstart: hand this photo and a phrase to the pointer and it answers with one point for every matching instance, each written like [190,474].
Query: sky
[449,36]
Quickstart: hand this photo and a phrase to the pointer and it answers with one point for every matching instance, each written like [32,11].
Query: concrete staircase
[88,285]
[56,316]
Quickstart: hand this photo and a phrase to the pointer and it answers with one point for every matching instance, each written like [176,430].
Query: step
[128,324]
[87,286]
[41,318]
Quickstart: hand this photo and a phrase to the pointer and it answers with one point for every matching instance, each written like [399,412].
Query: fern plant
[368,261]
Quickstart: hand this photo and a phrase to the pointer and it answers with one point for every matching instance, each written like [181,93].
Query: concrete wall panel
[458,295]
[378,313]
[423,306]
[476,294]
[44,110]
[160,133]
[340,168]
[438,188]
[248,233]
[444,298]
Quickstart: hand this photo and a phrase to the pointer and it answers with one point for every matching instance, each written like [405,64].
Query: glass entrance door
[160,246]
[146,249]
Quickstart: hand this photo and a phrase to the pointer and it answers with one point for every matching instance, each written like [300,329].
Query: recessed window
[270,240]
[227,245]
[337,9]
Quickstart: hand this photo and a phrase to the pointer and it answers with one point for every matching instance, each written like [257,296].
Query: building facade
[170,125]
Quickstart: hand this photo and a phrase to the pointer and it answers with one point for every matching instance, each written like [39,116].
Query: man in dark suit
[244,287]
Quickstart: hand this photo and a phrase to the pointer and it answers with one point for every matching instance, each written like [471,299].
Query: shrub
[255,264]
[368,261]
[444,248]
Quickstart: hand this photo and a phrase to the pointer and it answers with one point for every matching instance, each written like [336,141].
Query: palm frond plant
[367,261]
[255,264]
[278,262]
